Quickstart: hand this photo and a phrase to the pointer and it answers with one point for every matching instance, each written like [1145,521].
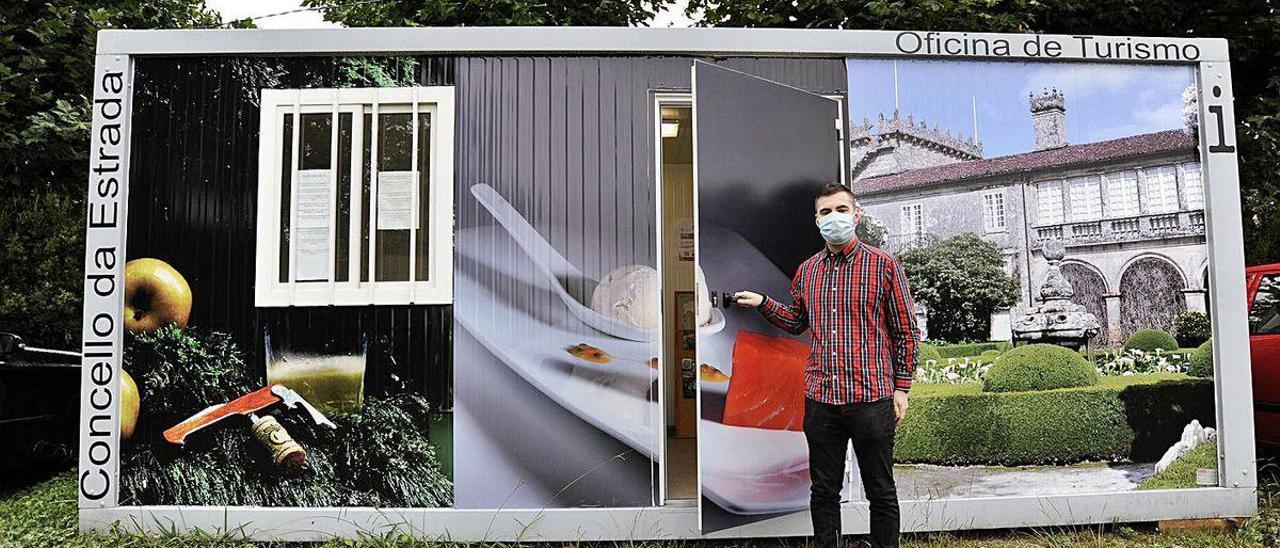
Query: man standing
[854,300]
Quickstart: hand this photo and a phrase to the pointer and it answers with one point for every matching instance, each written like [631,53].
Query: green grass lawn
[44,514]
[1182,473]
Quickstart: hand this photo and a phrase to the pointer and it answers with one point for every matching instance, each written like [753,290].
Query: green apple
[155,295]
[130,404]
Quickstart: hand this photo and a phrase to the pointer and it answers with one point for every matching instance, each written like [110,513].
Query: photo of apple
[130,404]
[155,295]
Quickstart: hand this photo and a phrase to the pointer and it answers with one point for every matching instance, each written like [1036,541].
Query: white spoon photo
[562,272]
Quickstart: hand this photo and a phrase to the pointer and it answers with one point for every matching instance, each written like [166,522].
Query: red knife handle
[244,405]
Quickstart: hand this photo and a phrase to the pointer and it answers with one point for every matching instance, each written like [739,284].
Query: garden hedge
[1148,340]
[1118,420]
[1039,367]
[1202,360]
[929,352]
[970,349]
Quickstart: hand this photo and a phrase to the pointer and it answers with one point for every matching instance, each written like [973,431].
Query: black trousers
[828,429]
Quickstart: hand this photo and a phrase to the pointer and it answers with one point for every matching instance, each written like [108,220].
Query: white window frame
[269,291]
[1169,194]
[993,212]
[1122,190]
[1042,205]
[1083,191]
[912,214]
[1192,194]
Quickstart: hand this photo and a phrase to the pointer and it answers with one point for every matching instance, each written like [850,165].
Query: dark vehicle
[39,402]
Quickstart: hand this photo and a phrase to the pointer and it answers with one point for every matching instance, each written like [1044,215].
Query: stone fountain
[1057,320]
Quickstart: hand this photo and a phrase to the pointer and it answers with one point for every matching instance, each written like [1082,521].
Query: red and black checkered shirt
[863,336]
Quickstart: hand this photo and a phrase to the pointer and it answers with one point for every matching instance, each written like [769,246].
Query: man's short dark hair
[831,189]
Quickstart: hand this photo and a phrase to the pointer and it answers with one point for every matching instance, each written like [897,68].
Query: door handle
[727,298]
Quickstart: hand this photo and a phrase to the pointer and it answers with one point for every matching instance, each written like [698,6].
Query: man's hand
[899,405]
[747,298]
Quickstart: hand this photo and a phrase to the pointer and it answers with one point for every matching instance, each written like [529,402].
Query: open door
[760,150]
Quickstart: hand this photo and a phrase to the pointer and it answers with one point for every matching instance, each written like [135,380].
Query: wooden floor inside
[682,475]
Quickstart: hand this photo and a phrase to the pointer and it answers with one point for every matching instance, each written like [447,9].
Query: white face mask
[837,228]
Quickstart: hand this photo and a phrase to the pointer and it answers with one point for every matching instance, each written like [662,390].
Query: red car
[1263,287]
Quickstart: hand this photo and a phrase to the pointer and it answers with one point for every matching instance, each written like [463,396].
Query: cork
[285,452]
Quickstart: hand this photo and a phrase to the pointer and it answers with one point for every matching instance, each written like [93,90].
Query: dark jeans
[828,429]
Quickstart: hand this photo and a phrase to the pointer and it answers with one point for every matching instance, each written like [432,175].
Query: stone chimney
[1049,119]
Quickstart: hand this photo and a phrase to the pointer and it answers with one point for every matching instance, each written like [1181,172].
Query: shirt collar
[846,252]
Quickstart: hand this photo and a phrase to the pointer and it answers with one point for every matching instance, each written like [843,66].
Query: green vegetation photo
[1039,367]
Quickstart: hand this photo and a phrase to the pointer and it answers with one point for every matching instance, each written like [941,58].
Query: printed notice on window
[395,200]
[311,231]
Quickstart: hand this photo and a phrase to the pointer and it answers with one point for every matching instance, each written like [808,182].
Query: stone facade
[1127,210]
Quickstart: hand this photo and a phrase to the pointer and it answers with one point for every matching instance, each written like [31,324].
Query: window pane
[1264,313]
[286,181]
[912,221]
[421,268]
[317,140]
[1161,190]
[366,182]
[1049,203]
[1122,193]
[1192,185]
[395,154]
[342,254]
[993,211]
[1086,199]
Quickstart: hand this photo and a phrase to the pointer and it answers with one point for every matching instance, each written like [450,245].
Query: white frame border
[1236,495]
[438,288]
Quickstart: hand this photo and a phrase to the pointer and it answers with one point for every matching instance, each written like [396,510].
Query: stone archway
[1150,296]
[1089,287]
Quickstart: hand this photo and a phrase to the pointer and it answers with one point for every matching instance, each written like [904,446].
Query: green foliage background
[1039,367]
[1149,340]
[46,68]
[1132,418]
[962,281]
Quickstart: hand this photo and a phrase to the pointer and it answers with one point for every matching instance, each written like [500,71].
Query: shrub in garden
[1039,367]
[929,352]
[1109,422]
[1202,360]
[1148,340]
[989,356]
[1192,328]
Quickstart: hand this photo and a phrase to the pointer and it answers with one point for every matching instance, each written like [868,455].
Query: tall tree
[414,13]
[1251,26]
[46,67]
[962,281]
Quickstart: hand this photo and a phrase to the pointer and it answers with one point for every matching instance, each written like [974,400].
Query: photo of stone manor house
[1130,211]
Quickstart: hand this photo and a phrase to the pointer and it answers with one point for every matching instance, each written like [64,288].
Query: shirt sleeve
[902,327]
[792,318]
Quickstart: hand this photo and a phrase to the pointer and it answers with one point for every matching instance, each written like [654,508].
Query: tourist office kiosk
[473,283]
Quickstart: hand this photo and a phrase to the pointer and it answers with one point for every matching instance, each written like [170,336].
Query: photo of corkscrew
[285,452]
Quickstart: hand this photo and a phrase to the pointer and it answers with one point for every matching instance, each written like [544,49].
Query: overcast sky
[240,9]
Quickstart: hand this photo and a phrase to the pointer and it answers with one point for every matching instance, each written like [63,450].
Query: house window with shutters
[355,197]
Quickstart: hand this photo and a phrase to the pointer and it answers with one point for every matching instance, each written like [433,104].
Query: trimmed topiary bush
[1133,418]
[1192,328]
[1039,367]
[929,352]
[1202,360]
[1148,340]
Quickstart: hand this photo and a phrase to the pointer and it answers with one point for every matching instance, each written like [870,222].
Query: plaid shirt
[863,341]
